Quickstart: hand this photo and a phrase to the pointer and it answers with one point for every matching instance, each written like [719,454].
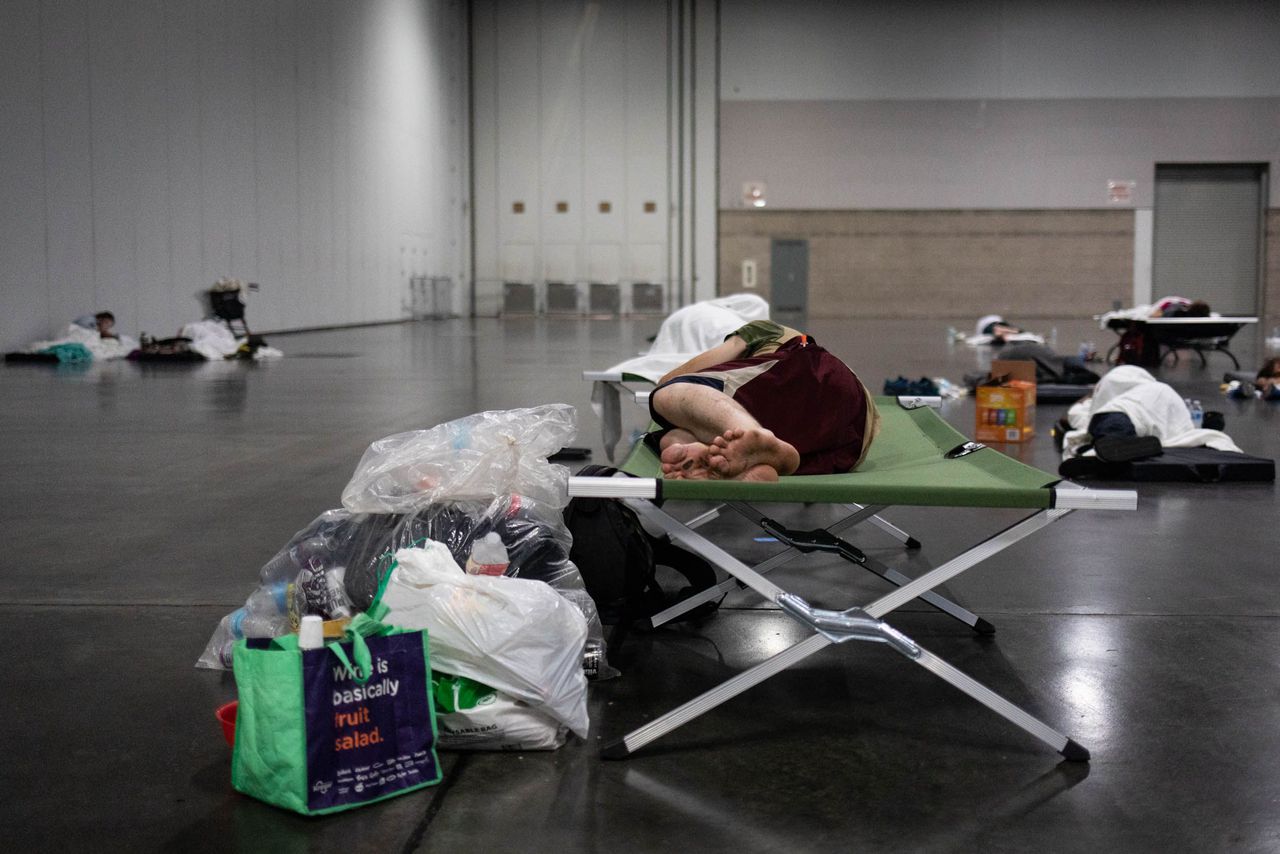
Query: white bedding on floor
[103,349]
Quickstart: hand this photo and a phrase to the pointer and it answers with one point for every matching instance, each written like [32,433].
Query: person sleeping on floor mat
[1129,403]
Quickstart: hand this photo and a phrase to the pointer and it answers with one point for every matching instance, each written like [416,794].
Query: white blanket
[213,340]
[102,348]
[693,330]
[1154,408]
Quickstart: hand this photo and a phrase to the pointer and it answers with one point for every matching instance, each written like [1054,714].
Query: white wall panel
[604,129]
[152,282]
[68,222]
[158,146]
[22,233]
[489,208]
[604,262]
[564,27]
[519,129]
[646,133]
[561,262]
[257,42]
[215,159]
[572,106]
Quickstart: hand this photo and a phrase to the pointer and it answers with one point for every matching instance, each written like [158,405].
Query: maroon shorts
[805,395]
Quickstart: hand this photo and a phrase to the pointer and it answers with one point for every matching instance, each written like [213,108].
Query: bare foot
[685,461]
[761,474]
[738,451]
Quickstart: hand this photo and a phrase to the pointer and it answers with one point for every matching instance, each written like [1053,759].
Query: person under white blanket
[1154,408]
[102,348]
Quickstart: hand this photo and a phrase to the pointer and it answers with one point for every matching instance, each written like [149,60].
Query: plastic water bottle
[1197,414]
[488,556]
[264,615]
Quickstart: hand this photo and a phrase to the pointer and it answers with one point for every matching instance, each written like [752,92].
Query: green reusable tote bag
[317,733]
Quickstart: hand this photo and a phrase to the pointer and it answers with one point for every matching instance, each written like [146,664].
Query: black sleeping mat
[1193,465]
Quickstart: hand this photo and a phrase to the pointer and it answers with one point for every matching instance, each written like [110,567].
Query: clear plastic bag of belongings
[480,456]
[305,577]
[357,548]
[472,716]
[513,634]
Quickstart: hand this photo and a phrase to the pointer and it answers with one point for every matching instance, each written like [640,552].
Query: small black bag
[1139,347]
[618,559]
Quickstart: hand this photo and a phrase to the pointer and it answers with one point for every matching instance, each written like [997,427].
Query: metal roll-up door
[1207,235]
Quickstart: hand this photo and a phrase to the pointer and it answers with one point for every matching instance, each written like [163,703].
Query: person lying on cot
[998,328]
[766,402]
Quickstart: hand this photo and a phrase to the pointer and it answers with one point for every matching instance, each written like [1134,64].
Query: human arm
[731,348]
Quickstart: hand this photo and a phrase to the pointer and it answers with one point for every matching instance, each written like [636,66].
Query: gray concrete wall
[967,154]
[948,157]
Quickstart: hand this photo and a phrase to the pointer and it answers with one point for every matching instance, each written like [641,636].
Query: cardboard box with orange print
[1007,412]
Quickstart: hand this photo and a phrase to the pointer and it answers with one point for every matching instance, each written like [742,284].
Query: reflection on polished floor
[142,501]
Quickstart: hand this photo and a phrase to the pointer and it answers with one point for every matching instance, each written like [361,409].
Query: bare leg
[736,445]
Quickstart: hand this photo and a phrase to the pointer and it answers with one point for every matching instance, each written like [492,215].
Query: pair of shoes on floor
[923,387]
[1124,449]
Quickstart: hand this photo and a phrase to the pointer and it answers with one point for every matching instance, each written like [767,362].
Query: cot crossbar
[861,514]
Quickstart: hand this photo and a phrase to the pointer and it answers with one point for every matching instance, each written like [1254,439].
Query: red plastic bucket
[227,717]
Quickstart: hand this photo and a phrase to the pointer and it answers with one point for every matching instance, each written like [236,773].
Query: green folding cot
[918,460]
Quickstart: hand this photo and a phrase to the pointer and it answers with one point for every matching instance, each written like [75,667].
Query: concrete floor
[141,503]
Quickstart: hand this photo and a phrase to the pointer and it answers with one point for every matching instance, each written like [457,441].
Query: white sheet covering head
[703,325]
[692,330]
[1155,409]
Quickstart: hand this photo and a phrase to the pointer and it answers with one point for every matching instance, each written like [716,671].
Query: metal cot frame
[865,623]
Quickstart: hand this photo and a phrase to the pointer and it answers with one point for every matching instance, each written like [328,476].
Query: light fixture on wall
[753,194]
[1120,192]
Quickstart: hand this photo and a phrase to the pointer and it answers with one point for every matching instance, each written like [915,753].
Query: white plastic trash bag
[513,634]
[477,457]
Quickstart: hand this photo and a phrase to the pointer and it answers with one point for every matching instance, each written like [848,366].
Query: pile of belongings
[514,637]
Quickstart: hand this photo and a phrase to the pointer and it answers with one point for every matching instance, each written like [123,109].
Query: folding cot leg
[860,625]
[1068,747]
[871,630]
[658,727]
[889,528]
